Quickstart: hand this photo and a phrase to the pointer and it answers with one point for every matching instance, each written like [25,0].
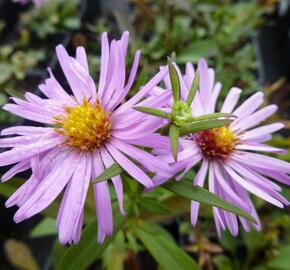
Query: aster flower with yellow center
[227,155]
[86,133]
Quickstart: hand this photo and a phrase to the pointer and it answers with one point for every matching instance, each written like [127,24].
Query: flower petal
[49,188]
[105,56]
[73,202]
[251,187]
[142,92]
[231,100]
[27,151]
[102,201]
[117,181]
[129,166]
[250,105]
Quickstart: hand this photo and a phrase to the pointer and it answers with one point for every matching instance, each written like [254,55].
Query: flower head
[86,132]
[215,143]
[86,126]
[227,154]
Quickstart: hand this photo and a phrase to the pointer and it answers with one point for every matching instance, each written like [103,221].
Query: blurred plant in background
[55,17]
[195,29]
[222,31]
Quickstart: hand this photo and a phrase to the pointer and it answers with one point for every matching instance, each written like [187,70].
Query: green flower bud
[181,113]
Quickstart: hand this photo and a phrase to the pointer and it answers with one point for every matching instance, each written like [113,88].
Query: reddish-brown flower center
[216,143]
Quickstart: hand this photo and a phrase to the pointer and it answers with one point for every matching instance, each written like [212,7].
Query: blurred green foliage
[220,31]
[26,51]
[55,17]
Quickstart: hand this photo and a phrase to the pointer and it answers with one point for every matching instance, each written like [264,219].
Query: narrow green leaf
[223,262]
[213,116]
[81,256]
[166,253]
[44,228]
[153,111]
[154,206]
[185,189]
[174,136]
[203,125]
[112,171]
[15,93]
[174,79]
[193,89]
[114,258]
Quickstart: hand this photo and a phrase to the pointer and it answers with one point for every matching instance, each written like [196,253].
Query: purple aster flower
[86,132]
[37,3]
[227,154]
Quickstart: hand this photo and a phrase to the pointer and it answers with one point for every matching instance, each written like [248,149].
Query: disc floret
[216,143]
[85,126]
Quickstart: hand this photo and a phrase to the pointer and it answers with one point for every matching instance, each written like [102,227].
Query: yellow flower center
[216,143]
[85,126]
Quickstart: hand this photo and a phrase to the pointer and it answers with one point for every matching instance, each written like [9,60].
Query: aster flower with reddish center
[227,154]
[86,133]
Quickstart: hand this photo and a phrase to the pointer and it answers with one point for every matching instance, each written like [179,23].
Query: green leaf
[229,242]
[254,240]
[281,261]
[44,228]
[203,125]
[153,111]
[185,189]
[19,255]
[174,79]
[198,49]
[174,136]
[15,93]
[116,250]
[154,206]
[167,254]
[223,262]
[114,258]
[81,256]
[112,171]
[72,23]
[212,116]
[193,89]
[57,252]
[6,72]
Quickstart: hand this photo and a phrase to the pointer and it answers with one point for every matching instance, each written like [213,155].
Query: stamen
[85,126]
[216,143]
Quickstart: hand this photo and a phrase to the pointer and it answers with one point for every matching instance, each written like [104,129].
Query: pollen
[85,126]
[216,143]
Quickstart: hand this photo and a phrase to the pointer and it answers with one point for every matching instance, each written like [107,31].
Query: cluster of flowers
[82,134]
